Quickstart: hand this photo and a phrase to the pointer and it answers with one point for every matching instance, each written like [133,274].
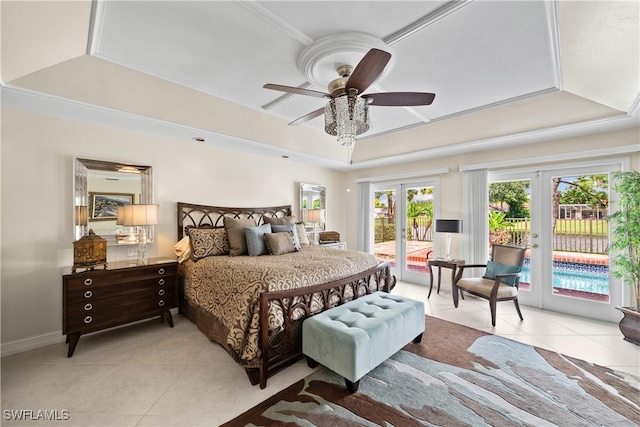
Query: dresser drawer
[97,278]
[119,289]
[115,302]
[111,311]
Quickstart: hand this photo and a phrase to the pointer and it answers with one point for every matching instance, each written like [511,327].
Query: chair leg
[492,307]
[454,292]
[515,302]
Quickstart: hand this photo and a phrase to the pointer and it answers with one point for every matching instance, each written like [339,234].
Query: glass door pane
[579,264]
[417,230]
[403,228]
[384,212]
[513,221]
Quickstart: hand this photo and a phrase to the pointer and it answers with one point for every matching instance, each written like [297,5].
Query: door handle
[534,246]
[534,235]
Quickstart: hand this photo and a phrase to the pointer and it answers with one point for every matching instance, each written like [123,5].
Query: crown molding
[36,102]
[49,105]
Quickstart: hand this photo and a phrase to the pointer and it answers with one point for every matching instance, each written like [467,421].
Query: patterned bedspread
[228,288]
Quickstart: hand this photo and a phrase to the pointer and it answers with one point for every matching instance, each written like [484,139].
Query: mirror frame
[311,189]
[81,192]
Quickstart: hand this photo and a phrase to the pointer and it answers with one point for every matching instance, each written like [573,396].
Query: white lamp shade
[120,215]
[139,215]
[313,215]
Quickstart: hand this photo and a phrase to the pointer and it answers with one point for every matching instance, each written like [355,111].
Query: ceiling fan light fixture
[346,117]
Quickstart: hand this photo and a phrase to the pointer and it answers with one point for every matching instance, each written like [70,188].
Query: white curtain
[475,214]
[364,213]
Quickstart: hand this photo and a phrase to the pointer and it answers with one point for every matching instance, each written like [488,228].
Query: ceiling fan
[346,92]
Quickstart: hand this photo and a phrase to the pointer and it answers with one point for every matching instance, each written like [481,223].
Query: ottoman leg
[311,363]
[352,387]
[417,339]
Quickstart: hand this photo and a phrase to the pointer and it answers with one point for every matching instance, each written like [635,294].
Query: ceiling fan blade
[306,118]
[399,99]
[368,70]
[297,90]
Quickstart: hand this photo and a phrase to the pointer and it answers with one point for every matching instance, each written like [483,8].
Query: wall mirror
[99,188]
[313,207]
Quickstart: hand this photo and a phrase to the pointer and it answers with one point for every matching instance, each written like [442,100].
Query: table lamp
[314,216]
[140,216]
[448,226]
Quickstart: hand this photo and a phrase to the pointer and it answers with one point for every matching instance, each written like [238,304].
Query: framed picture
[104,206]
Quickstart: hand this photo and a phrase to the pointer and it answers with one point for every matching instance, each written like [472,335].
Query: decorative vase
[630,324]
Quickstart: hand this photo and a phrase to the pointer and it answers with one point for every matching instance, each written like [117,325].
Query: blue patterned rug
[459,376]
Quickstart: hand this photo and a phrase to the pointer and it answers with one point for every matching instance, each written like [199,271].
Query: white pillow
[182,249]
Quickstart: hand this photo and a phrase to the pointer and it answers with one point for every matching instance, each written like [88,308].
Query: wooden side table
[442,263]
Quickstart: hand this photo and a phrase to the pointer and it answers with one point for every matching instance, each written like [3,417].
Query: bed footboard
[277,349]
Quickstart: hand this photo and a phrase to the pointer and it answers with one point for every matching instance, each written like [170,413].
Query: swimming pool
[576,277]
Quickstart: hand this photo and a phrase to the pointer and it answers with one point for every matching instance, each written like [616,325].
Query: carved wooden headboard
[190,215]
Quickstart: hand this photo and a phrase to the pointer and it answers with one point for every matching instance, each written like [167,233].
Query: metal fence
[569,235]
[418,228]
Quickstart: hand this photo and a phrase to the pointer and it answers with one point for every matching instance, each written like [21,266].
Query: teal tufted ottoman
[355,337]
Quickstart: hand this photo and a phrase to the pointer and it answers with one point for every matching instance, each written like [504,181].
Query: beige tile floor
[150,375]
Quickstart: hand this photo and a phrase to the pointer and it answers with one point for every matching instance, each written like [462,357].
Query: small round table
[442,263]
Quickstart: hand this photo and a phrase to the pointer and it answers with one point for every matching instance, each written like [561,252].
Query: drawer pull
[161,282]
[88,294]
[88,306]
[88,282]
[161,271]
[161,292]
[88,319]
[161,303]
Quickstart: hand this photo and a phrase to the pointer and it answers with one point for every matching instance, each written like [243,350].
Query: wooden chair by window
[499,282]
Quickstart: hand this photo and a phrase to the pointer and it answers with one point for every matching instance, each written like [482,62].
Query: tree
[514,194]
[416,209]
[390,206]
[587,189]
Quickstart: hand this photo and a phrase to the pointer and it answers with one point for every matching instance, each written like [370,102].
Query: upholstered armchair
[500,281]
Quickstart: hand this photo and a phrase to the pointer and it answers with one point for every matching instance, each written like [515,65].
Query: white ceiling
[498,68]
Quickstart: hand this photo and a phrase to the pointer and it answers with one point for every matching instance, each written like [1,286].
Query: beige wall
[37,199]
[36,178]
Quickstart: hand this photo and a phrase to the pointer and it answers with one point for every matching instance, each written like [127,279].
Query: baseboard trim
[52,338]
[27,344]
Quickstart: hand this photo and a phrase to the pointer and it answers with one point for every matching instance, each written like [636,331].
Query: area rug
[459,376]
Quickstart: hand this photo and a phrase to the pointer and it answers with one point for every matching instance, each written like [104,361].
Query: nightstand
[125,292]
[335,245]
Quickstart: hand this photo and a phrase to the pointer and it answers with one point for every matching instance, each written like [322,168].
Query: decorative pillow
[301,231]
[208,242]
[494,268]
[279,221]
[235,234]
[256,245]
[280,243]
[275,228]
[182,249]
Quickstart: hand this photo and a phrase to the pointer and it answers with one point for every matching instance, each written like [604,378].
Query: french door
[567,235]
[403,217]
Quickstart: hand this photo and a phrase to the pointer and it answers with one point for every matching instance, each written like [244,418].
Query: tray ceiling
[498,68]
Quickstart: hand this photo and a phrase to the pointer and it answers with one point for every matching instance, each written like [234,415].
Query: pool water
[575,277]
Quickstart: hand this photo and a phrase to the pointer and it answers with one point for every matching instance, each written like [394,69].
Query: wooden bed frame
[280,349]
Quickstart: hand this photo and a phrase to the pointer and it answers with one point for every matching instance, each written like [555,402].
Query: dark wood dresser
[125,292]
